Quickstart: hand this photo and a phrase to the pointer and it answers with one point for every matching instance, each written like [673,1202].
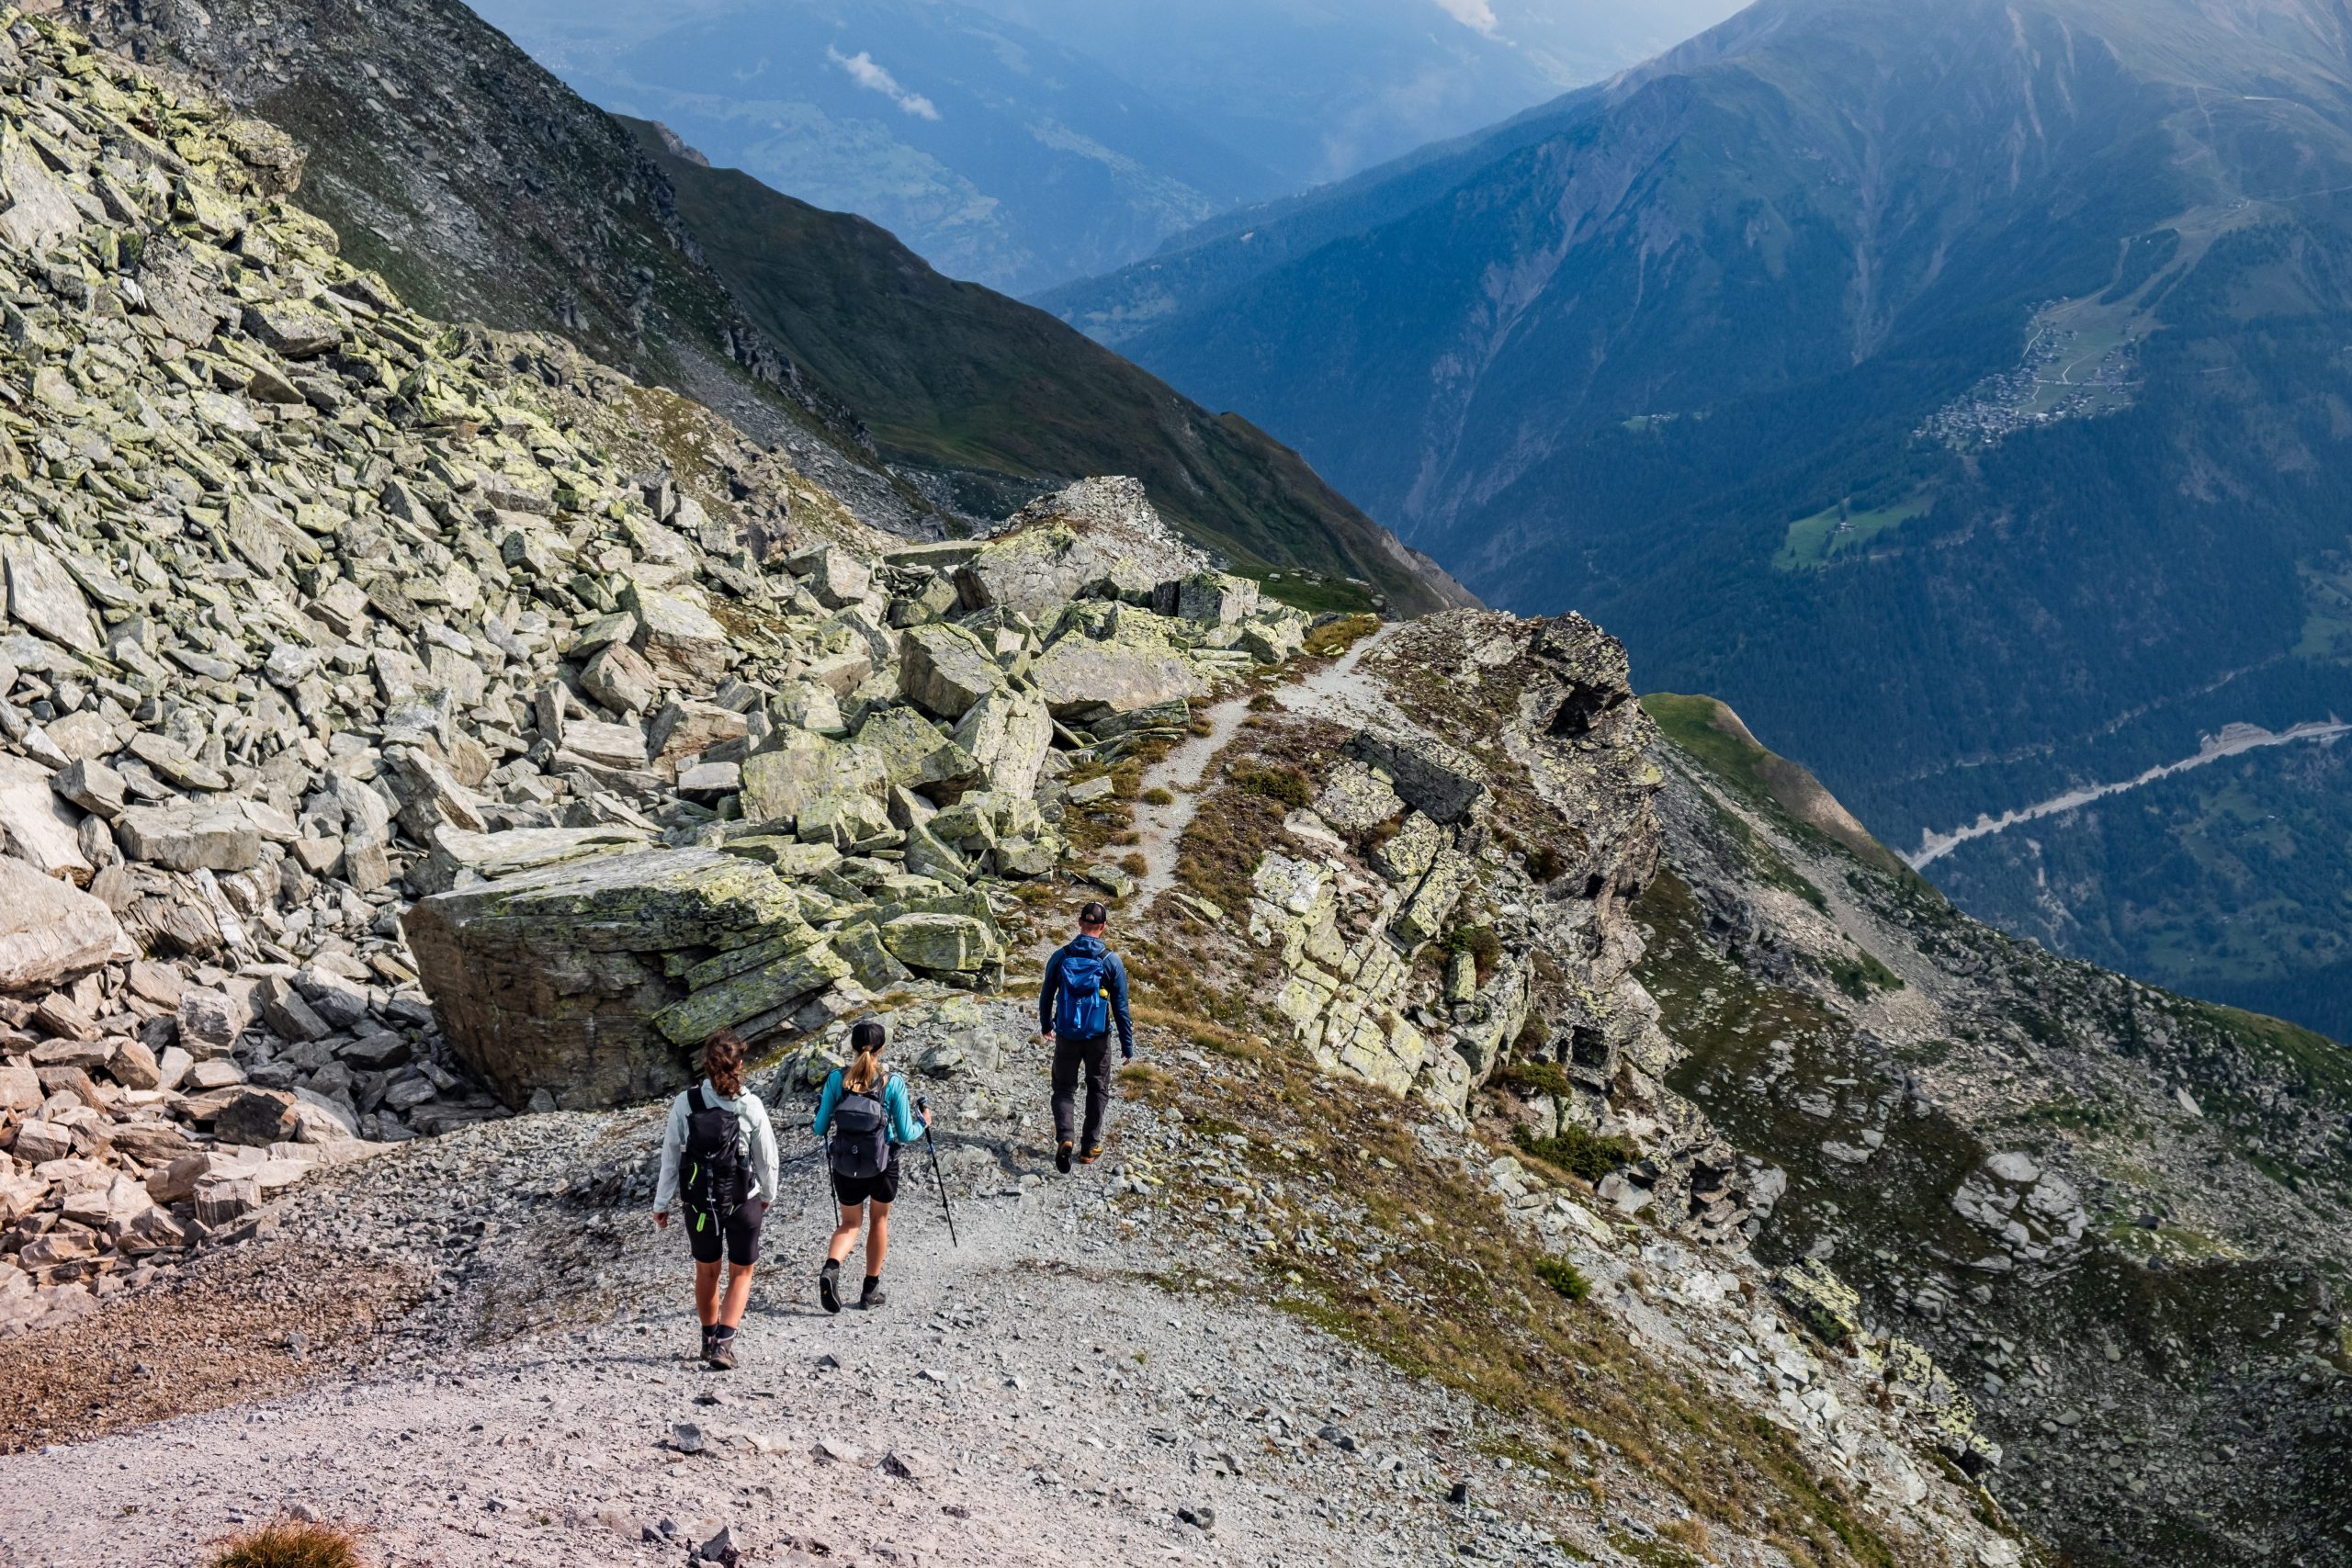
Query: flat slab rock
[554,978]
[49,929]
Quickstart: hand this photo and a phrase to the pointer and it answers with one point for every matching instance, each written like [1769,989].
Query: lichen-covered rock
[1009,735]
[944,944]
[1355,799]
[553,979]
[682,641]
[804,767]
[458,856]
[912,753]
[739,1000]
[1216,598]
[1099,537]
[943,671]
[1134,666]
[1425,915]
[1431,775]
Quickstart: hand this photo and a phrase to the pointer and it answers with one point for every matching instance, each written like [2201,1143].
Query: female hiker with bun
[719,1157]
[866,1112]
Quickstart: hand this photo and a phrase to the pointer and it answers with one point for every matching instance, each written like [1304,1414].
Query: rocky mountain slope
[421,737]
[1949,386]
[2121,1211]
[513,203]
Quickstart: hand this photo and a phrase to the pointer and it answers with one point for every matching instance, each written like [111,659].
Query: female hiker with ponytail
[867,1114]
[719,1155]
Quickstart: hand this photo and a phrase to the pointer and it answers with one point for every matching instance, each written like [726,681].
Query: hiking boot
[872,1296]
[722,1353]
[1061,1158]
[1093,1152]
[710,1337]
[829,1286]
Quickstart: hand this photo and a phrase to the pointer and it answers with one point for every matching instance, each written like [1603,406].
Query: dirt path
[1061,1388]
[1336,690]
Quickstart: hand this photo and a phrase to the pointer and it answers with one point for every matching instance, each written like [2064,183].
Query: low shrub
[1287,785]
[1581,1152]
[290,1543]
[1564,1277]
[1535,1078]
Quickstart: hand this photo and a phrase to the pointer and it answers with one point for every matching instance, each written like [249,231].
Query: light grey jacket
[759,1141]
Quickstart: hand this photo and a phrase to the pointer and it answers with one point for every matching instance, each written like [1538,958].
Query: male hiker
[1085,991]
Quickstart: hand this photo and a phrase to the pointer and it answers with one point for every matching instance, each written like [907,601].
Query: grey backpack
[861,1133]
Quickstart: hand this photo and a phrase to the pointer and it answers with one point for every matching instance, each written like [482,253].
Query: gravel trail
[1061,1388]
[1335,690]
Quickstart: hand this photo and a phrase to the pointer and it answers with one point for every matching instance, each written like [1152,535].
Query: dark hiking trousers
[1095,1054]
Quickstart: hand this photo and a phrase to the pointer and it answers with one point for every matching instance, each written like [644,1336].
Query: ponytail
[722,1062]
[865,1069]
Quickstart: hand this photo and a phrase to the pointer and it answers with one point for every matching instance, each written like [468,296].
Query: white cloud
[1478,16]
[874,78]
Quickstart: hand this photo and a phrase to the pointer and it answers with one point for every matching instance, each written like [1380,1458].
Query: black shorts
[739,1233]
[849,1191]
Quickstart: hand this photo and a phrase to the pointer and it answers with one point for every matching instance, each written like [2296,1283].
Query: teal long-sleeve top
[904,1128]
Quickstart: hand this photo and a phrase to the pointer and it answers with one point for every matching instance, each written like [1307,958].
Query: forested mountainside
[486,189]
[1958,388]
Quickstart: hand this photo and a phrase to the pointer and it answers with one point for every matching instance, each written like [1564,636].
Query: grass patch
[1315,594]
[1822,538]
[1579,1152]
[290,1543]
[1158,797]
[1711,735]
[1535,1078]
[1485,948]
[1862,974]
[1338,1175]
[1333,638]
[1564,1277]
[1288,786]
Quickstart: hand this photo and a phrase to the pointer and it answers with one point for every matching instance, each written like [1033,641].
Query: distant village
[2038,392]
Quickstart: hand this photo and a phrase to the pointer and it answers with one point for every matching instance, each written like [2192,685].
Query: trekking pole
[924,1106]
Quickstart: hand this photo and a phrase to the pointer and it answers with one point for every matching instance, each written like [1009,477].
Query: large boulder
[913,753]
[802,768]
[49,930]
[191,834]
[1098,538]
[43,596]
[943,671]
[460,857]
[594,979]
[1431,776]
[1008,735]
[40,828]
[1133,666]
[683,642]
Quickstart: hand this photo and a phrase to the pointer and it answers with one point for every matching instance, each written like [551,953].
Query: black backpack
[714,1171]
[861,1147]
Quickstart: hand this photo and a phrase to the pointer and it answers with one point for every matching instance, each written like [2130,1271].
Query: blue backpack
[1082,1010]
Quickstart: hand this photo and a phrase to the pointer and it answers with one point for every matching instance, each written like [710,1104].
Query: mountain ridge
[554,217]
[1949,390]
